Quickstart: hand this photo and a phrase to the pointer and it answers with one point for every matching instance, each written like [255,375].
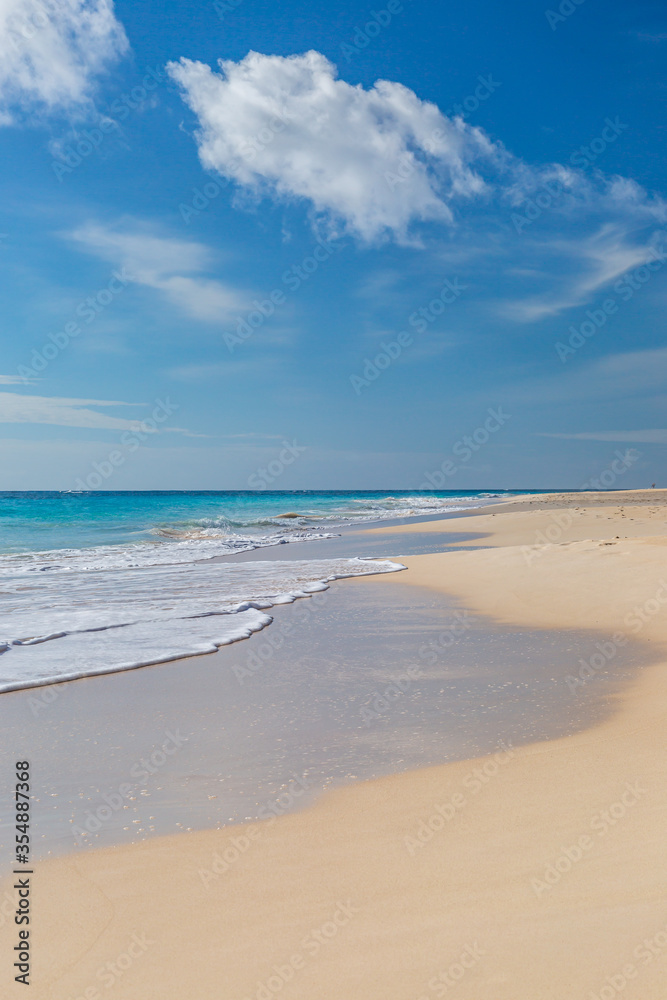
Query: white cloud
[616,377]
[214,370]
[51,52]
[255,435]
[376,159]
[377,162]
[59,411]
[167,265]
[632,373]
[16,380]
[594,261]
[654,436]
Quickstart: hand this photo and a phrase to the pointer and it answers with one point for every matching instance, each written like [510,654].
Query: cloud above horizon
[592,261]
[376,159]
[16,408]
[649,436]
[16,380]
[51,53]
[376,162]
[616,377]
[165,264]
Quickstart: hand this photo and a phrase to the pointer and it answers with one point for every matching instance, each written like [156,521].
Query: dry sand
[540,873]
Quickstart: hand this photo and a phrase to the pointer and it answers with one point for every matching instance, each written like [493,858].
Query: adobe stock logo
[379,20]
[565,9]
[419,320]
[465,449]
[264,477]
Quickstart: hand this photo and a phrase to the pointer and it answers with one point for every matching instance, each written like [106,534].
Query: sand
[535,873]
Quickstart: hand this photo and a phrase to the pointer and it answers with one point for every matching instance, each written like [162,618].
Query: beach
[535,871]
[333,508]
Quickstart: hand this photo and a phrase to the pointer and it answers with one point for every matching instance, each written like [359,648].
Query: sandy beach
[536,872]
[333,567]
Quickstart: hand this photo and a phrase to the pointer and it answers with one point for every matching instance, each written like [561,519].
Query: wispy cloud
[617,377]
[206,372]
[16,380]
[650,36]
[252,436]
[591,263]
[168,265]
[653,436]
[16,408]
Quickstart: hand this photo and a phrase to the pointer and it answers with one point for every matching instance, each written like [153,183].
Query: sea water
[94,582]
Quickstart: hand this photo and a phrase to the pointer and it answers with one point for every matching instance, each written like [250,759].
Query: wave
[200,539]
[148,584]
[91,621]
[182,546]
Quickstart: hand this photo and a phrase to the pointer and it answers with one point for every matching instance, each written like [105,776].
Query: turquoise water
[45,521]
[98,582]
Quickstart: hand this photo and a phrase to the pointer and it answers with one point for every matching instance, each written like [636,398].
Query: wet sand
[534,872]
[358,682]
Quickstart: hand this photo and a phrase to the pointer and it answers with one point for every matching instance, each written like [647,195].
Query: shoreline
[358,682]
[349,542]
[67,636]
[541,864]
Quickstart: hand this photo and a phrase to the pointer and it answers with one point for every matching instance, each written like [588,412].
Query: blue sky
[202,261]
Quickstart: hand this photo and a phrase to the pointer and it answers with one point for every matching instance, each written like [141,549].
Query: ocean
[95,582]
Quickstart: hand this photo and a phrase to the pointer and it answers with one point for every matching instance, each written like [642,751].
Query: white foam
[79,622]
[142,554]
[210,538]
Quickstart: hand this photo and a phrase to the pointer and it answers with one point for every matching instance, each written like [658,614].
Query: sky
[332,246]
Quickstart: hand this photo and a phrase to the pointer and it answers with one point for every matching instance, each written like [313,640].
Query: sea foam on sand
[71,623]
